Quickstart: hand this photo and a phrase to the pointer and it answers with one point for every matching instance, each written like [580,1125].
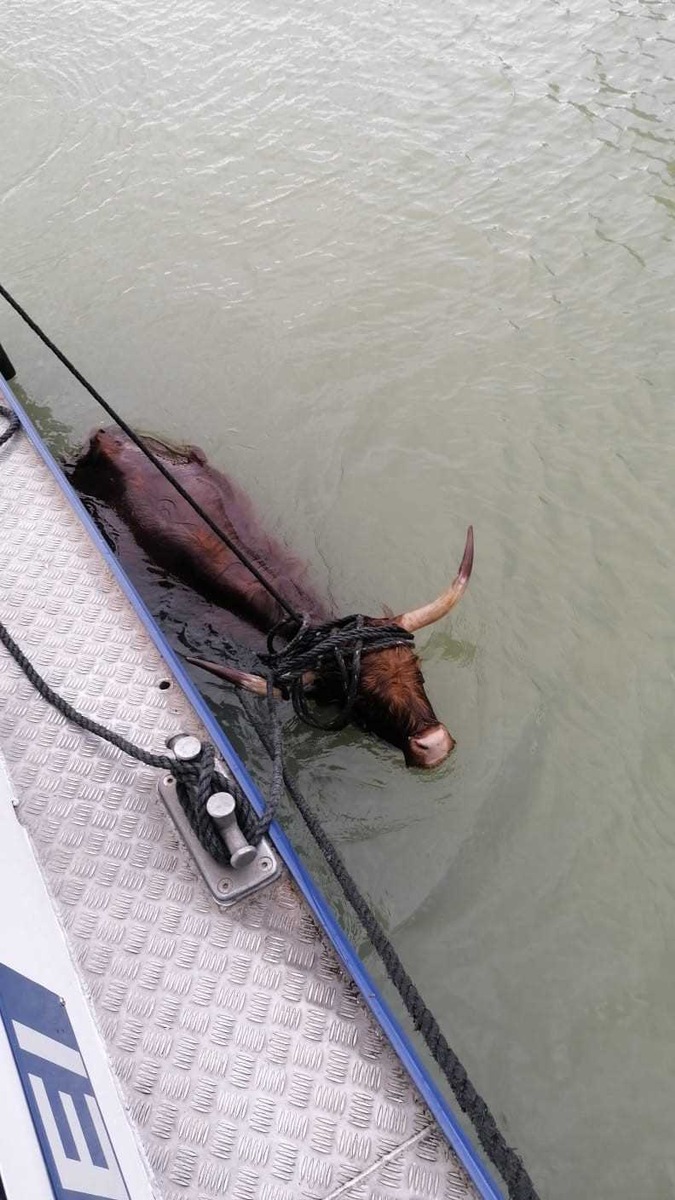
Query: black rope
[344,641]
[157,462]
[501,1155]
[195,781]
[336,646]
[13,424]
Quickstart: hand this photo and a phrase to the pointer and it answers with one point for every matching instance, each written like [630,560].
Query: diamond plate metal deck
[249,1064]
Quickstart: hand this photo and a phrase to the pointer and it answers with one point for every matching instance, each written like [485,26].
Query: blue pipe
[401,1043]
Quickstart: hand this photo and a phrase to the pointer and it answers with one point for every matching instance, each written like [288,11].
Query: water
[399,267]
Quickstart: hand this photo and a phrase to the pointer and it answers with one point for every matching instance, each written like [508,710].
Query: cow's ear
[243,679]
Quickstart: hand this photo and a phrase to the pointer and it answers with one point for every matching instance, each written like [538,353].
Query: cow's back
[177,539]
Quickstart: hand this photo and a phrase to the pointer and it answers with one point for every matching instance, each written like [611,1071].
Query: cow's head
[391,700]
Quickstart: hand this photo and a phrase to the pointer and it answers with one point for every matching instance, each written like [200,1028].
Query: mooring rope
[504,1157]
[335,647]
[13,424]
[199,780]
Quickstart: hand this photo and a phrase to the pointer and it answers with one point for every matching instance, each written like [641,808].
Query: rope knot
[334,648]
[196,781]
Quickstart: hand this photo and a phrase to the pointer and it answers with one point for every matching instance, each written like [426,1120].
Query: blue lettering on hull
[74,1141]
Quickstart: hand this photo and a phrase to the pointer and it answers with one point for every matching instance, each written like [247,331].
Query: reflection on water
[400,267]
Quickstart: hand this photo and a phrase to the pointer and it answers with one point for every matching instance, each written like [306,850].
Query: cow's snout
[430,748]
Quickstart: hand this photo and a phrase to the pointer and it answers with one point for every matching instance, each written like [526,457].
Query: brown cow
[391,700]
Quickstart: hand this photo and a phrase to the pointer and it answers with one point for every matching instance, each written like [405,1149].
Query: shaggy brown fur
[396,675]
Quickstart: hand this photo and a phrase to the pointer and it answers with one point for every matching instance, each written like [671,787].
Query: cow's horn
[242,679]
[419,617]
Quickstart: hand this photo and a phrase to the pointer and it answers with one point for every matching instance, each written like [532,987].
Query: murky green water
[399,267]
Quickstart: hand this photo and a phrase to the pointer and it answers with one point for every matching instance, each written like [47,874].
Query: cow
[391,701]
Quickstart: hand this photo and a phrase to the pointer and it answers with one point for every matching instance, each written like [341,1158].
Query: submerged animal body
[391,700]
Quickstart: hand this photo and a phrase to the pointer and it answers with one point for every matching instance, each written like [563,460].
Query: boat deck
[248,1063]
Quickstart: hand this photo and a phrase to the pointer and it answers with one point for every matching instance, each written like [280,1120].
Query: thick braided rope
[501,1155]
[145,756]
[336,644]
[195,781]
[13,424]
[320,641]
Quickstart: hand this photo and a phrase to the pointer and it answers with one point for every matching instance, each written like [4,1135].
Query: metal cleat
[251,868]
[221,807]
[185,746]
